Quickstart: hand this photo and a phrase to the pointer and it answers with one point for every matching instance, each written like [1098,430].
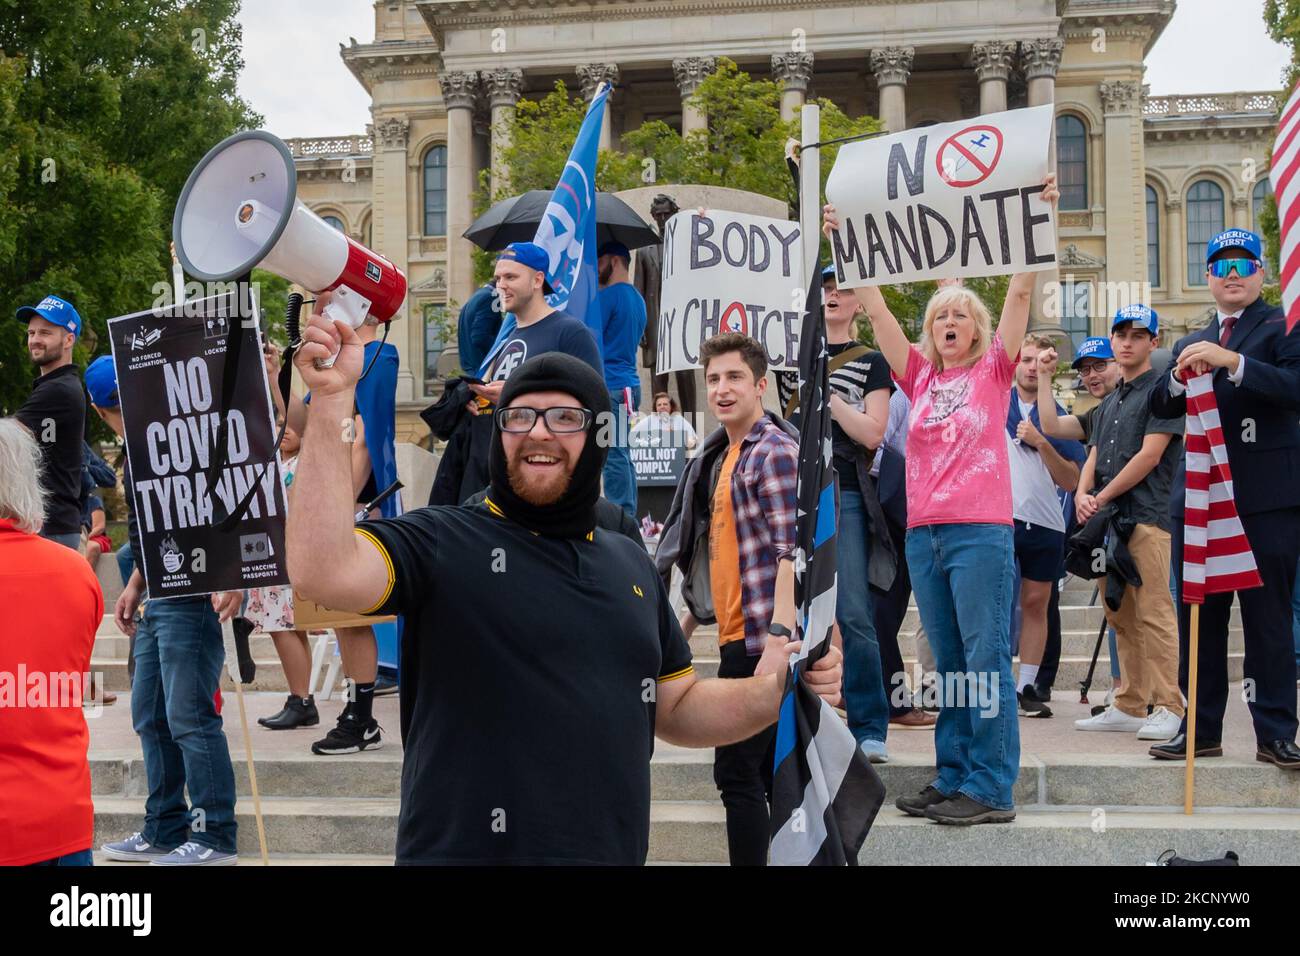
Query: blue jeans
[80,858]
[178,660]
[864,688]
[620,476]
[125,562]
[961,575]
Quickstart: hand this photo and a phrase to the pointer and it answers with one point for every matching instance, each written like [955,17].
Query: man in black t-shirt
[540,656]
[55,414]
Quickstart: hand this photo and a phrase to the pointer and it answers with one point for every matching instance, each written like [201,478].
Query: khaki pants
[1146,630]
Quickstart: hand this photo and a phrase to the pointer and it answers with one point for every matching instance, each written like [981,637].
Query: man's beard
[45,357]
[537,493]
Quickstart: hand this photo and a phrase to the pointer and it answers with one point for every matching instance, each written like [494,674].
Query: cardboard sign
[730,272]
[170,366]
[945,201]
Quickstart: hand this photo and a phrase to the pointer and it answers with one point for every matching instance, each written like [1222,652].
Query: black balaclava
[574,514]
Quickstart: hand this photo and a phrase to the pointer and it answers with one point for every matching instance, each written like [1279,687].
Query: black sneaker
[297,712]
[1030,703]
[1044,692]
[962,811]
[349,737]
[385,686]
[915,806]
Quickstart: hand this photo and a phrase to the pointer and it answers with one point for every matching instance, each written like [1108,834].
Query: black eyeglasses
[560,419]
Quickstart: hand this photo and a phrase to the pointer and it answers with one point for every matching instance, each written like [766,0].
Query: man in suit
[1256,367]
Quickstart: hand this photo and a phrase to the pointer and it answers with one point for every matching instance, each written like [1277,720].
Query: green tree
[105,107]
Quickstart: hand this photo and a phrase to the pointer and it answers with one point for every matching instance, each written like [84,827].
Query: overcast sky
[294,77]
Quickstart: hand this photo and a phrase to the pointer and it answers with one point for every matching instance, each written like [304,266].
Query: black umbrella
[516,219]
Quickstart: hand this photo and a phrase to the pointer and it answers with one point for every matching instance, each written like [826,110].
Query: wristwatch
[780,630]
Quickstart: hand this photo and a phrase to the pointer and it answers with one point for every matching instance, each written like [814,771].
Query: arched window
[1153,237]
[435,191]
[1204,222]
[1072,162]
[1263,189]
[335,221]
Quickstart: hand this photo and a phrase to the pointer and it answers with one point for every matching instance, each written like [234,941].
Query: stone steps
[695,832]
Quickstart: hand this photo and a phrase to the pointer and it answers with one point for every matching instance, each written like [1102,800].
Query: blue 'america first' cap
[1242,239]
[1142,316]
[53,310]
[1096,347]
[533,256]
[101,382]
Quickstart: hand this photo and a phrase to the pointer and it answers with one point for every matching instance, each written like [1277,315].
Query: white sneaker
[196,854]
[1112,718]
[1110,697]
[1161,725]
[874,750]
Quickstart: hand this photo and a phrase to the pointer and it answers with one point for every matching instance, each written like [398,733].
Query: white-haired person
[960,545]
[48,817]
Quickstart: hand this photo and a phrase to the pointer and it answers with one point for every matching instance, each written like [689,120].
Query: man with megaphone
[540,655]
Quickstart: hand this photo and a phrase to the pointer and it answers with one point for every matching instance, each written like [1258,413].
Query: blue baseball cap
[1141,316]
[533,256]
[1241,239]
[829,273]
[53,310]
[1095,347]
[101,382]
[615,248]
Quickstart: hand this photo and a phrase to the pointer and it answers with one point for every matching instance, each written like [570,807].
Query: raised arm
[890,337]
[1015,309]
[327,562]
[1054,426]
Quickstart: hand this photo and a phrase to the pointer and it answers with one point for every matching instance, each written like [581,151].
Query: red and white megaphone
[239,209]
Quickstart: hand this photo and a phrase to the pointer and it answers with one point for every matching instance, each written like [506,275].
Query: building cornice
[1139,19]
[371,63]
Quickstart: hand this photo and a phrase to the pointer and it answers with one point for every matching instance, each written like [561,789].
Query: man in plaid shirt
[751,565]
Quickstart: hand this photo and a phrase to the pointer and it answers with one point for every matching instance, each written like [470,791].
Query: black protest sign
[171,370]
[658,464]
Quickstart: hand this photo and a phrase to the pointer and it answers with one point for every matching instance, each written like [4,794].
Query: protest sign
[945,201]
[730,272]
[658,464]
[170,365]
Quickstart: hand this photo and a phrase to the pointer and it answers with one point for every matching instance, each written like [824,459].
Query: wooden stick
[1193,642]
[252,772]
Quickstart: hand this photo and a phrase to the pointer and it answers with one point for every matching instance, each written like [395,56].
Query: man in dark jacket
[1256,369]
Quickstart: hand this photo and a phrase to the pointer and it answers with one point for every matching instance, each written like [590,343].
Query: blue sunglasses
[1220,268]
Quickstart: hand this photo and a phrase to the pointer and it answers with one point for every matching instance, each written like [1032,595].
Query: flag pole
[1193,643]
[810,189]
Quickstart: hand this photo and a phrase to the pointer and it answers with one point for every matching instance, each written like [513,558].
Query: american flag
[1286,187]
[1216,554]
[825,794]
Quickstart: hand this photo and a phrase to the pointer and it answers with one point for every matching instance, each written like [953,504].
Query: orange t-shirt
[724,555]
[51,606]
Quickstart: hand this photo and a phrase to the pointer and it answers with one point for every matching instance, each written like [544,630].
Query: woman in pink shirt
[960,532]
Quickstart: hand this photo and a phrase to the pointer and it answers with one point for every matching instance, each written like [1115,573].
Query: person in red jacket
[48,817]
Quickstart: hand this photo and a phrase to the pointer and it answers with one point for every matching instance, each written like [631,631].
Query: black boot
[297,712]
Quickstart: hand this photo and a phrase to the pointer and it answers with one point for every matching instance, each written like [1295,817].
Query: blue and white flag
[568,232]
[825,793]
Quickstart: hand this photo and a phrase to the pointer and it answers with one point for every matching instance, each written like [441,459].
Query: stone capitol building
[1145,180]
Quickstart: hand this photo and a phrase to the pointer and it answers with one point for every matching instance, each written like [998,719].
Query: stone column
[690,72]
[389,218]
[1040,59]
[459,92]
[892,66]
[992,64]
[591,75]
[503,87]
[1240,212]
[1175,244]
[794,72]
[1122,180]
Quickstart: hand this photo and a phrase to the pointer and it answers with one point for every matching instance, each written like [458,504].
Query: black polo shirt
[55,413]
[1122,421]
[529,671]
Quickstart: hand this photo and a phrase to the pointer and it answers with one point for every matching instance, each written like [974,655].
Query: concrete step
[253,858]
[695,832]
[679,774]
